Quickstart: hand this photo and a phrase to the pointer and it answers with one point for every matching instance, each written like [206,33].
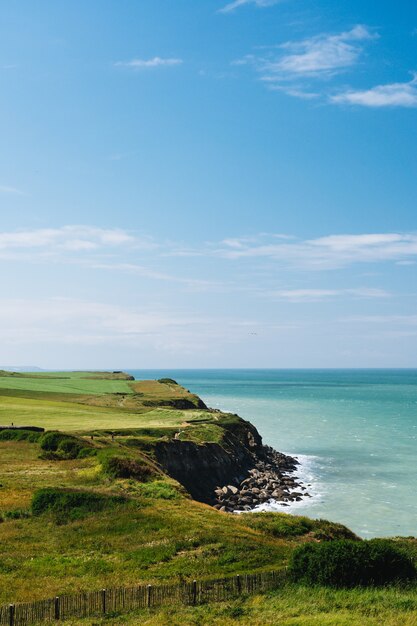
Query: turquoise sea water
[354,431]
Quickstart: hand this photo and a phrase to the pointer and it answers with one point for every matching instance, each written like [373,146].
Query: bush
[159,490]
[72,504]
[348,563]
[167,381]
[14,434]
[121,467]
[15,514]
[70,448]
[59,445]
[51,440]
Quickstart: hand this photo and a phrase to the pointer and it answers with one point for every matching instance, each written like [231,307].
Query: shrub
[16,514]
[167,381]
[14,434]
[62,446]
[72,504]
[121,467]
[348,563]
[159,490]
[51,440]
[70,448]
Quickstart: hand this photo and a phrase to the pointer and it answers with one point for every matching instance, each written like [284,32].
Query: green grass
[289,606]
[70,384]
[70,416]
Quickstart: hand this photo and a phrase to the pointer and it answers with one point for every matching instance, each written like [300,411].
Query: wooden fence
[123,599]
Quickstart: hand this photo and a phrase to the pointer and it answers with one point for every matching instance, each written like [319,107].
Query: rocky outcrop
[201,468]
[270,479]
[236,475]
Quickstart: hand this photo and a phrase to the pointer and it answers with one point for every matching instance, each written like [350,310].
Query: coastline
[305,475]
[274,481]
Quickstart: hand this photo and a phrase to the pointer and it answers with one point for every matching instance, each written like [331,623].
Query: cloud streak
[330,252]
[232,6]
[390,95]
[296,67]
[144,64]
[320,295]
[320,56]
[70,238]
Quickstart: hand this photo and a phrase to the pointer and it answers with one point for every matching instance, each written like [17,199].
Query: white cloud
[232,6]
[318,295]
[140,270]
[71,238]
[391,95]
[330,252]
[322,55]
[298,65]
[141,64]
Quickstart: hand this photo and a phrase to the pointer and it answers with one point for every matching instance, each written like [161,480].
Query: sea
[354,433]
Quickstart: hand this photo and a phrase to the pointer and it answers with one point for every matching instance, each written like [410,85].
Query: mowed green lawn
[68,416]
[65,382]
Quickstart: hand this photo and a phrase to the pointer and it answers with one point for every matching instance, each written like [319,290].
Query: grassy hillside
[89,507]
[157,533]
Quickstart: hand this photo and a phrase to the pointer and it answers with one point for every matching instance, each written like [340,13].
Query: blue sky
[208,184]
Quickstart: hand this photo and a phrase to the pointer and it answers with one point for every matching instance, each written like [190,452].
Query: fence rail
[123,599]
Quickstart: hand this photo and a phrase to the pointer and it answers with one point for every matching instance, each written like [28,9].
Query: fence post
[57,612]
[238,584]
[11,614]
[149,595]
[194,592]
[103,601]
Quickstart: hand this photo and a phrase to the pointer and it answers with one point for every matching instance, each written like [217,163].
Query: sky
[208,184]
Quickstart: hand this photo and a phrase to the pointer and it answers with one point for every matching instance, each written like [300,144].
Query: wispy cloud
[232,6]
[295,67]
[330,252]
[71,238]
[319,56]
[319,295]
[11,190]
[408,320]
[391,95]
[146,272]
[143,64]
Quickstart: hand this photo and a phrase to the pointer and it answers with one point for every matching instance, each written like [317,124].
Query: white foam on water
[307,474]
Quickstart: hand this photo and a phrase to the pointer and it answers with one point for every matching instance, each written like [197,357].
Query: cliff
[238,473]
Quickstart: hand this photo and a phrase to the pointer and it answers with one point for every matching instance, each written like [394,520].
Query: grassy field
[290,606]
[65,382]
[70,416]
[154,531]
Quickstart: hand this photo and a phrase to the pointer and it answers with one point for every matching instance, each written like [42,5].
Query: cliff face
[201,468]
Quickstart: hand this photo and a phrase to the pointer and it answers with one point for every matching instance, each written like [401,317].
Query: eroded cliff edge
[237,473]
